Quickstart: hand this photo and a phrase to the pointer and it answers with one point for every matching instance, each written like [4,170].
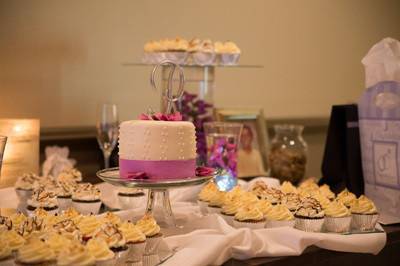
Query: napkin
[56,161]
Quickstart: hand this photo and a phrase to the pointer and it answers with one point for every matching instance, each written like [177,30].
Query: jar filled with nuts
[288,155]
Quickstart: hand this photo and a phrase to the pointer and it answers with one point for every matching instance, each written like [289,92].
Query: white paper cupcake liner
[64,203]
[364,222]
[121,256]
[254,225]
[203,59]
[87,208]
[203,207]
[23,195]
[274,224]
[151,260]
[309,225]
[129,202]
[109,262]
[213,209]
[228,218]
[230,59]
[337,224]
[177,57]
[152,244]
[136,251]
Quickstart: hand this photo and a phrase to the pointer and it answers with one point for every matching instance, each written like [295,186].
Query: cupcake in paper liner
[346,197]
[35,252]
[291,201]
[216,201]
[152,231]
[229,209]
[202,52]
[64,194]
[337,218]
[288,187]
[130,198]
[263,191]
[327,192]
[6,255]
[279,216]
[24,186]
[75,254]
[135,239]
[42,199]
[309,216]
[364,214]
[99,249]
[151,259]
[115,240]
[86,199]
[204,196]
[228,52]
[249,217]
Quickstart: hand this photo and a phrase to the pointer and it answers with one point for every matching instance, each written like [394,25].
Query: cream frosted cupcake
[327,192]
[115,240]
[278,216]
[202,51]
[88,226]
[86,199]
[324,201]
[346,197]
[249,217]
[42,199]
[291,201]
[64,194]
[149,227]
[364,214]
[309,216]
[229,52]
[32,227]
[337,218]
[111,217]
[70,175]
[204,196]
[177,50]
[102,254]
[264,206]
[69,229]
[24,186]
[35,252]
[6,257]
[57,242]
[75,254]
[288,187]
[216,201]
[230,208]
[12,239]
[17,219]
[130,198]
[135,239]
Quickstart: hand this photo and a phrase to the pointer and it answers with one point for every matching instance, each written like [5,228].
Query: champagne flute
[107,130]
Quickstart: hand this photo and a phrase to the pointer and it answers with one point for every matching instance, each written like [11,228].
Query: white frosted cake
[160,149]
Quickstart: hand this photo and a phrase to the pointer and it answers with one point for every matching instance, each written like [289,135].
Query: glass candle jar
[288,154]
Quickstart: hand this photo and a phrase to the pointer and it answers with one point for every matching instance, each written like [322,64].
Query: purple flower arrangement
[197,111]
[223,154]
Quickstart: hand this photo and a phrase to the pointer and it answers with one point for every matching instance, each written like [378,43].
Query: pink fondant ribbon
[169,169]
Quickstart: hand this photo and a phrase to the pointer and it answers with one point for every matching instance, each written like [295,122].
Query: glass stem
[106,159]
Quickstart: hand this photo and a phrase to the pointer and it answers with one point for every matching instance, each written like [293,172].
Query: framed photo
[253,145]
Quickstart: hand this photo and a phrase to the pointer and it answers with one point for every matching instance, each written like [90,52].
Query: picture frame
[252,160]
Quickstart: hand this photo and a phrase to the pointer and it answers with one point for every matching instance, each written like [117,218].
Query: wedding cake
[157,149]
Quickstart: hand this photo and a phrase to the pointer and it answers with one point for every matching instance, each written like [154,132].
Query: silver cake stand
[155,187]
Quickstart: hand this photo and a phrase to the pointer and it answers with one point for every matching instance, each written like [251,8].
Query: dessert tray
[157,189]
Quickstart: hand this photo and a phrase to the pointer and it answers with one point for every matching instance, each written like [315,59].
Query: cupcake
[364,214]
[17,219]
[337,218]
[6,257]
[202,52]
[228,52]
[31,226]
[151,52]
[75,254]
[64,194]
[70,175]
[111,217]
[264,206]
[88,226]
[42,199]
[35,252]
[279,216]
[309,216]
[12,239]
[324,201]
[115,241]
[102,254]
[249,217]
[216,201]
[24,186]
[230,208]
[86,199]
[5,223]
[177,50]
[135,239]
[346,197]
[288,187]
[152,231]
[57,242]
[130,198]
[327,192]
[291,201]
[273,195]
[69,229]
[204,196]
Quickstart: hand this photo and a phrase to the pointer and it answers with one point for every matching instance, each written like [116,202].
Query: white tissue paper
[56,161]
[379,122]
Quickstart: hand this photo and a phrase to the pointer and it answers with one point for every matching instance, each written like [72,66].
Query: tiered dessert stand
[157,189]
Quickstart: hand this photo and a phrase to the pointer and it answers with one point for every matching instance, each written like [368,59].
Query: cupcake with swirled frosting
[204,196]
[99,249]
[230,208]
[249,217]
[130,198]
[324,201]
[111,217]
[64,194]
[135,239]
[57,242]
[288,187]
[364,214]
[6,257]
[228,52]
[346,197]
[88,226]
[149,227]
[24,186]
[327,192]
[75,254]
[35,252]
[291,201]
[70,175]
[216,201]
[279,216]
[115,240]
[309,216]
[86,199]
[12,239]
[337,218]
[42,199]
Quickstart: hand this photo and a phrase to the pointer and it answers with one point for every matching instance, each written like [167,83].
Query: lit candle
[22,149]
